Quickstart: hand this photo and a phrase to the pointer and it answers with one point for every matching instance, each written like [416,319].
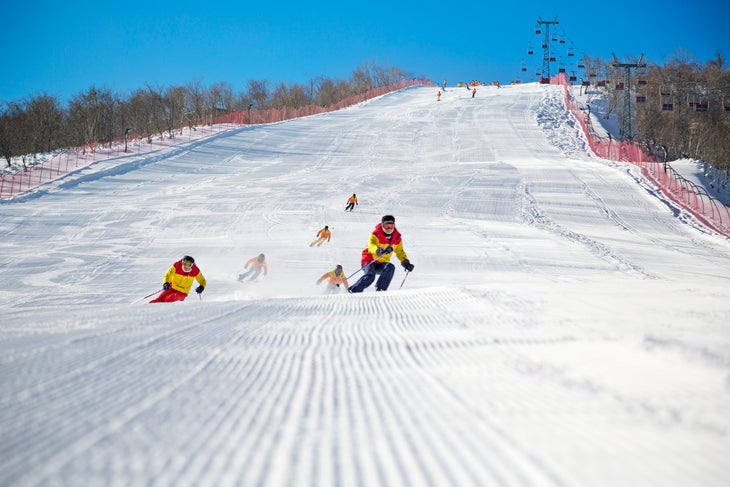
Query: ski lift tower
[625,119]
[545,76]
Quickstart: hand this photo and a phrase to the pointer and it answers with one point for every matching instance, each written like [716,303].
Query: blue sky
[65,48]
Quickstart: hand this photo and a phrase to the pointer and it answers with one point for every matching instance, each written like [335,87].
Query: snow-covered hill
[564,324]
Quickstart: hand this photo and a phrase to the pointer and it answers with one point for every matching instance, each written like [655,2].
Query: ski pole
[361,268]
[148,296]
[368,265]
[404,280]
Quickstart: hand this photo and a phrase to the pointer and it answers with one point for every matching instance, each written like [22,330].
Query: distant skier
[178,280]
[473,92]
[256,264]
[351,202]
[384,240]
[323,235]
[438,96]
[334,278]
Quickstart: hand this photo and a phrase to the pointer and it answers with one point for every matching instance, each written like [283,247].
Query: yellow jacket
[379,240]
[182,281]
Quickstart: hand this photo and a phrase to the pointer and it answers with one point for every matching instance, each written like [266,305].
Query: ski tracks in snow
[533,215]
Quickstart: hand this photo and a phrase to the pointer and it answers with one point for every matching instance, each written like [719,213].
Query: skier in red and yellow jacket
[178,280]
[384,241]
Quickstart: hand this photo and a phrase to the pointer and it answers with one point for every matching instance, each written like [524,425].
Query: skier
[438,96]
[178,280]
[257,265]
[322,235]
[334,278]
[384,240]
[351,202]
[473,92]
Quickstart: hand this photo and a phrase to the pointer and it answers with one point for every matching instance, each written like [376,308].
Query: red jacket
[378,239]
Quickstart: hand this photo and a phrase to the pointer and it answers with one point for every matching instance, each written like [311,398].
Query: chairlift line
[552,53]
[625,120]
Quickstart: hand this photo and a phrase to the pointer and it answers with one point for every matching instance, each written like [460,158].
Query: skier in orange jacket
[322,235]
[351,202]
[257,265]
[334,278]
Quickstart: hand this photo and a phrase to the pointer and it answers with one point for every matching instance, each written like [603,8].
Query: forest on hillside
[680,109]
[40,124]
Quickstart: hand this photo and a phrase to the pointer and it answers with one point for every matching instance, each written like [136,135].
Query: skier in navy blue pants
[382,244]
[386,271]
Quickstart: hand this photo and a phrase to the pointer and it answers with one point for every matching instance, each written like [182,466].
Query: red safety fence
[68,160]
[693,198]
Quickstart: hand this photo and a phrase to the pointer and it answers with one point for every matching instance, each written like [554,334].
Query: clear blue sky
[64,48]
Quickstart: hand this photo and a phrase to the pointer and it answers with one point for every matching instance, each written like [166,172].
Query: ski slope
[565,325]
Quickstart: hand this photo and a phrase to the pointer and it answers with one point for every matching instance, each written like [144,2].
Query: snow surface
[565,325]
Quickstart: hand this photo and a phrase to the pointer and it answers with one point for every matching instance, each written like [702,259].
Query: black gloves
[407,265]
[386,250]
[166,286]
[200,289]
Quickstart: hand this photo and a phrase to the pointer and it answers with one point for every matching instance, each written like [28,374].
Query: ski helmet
[187,258]
[388,219]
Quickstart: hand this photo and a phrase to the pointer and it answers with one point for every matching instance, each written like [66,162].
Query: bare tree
[329,91]
[12,128]
[361,80]
[157,109]
[173,101]
[195,102]
[44,122]
[258,92]
[143,112]
[220,99]
[293,96]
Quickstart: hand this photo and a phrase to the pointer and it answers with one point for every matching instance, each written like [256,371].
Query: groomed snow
[565,325]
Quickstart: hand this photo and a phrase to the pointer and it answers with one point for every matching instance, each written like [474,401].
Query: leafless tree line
[682,107]
[98,115]
[698,124]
